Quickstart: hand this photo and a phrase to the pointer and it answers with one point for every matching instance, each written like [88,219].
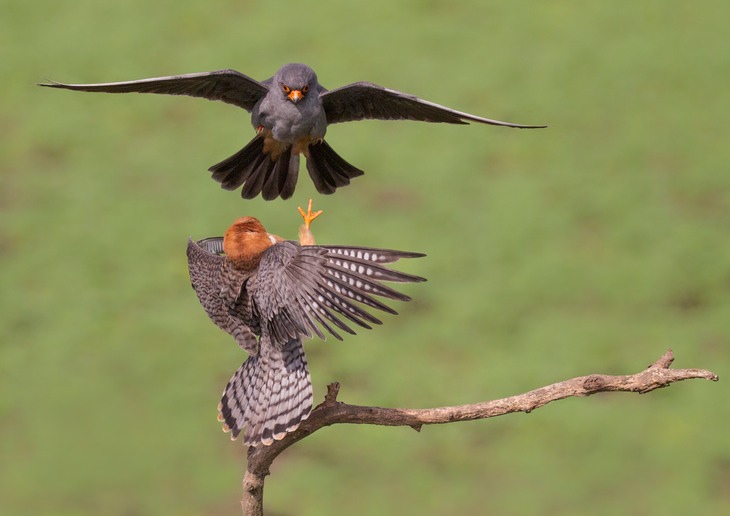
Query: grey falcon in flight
[290,112]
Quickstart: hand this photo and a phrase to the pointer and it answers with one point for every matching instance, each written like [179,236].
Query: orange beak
[295,96]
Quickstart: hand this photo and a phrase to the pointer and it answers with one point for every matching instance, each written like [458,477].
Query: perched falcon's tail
[269,395]
[327,169]
[258,173]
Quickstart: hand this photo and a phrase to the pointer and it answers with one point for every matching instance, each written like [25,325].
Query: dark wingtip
[53,84]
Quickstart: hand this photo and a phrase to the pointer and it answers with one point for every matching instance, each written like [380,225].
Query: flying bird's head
[245,241]
[296,80]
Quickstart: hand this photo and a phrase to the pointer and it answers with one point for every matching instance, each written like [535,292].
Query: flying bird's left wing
[365,100]
[228,86]
[298,287]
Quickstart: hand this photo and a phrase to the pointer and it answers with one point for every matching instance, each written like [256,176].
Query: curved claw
[308,216]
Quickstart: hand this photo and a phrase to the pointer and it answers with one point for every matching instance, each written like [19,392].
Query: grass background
[591,246]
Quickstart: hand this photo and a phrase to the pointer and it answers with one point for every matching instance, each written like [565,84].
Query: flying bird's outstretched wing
[365,100]
[228,86]
[297,287]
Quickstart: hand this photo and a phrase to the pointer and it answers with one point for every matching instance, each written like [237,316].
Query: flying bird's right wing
[297,287]
[365,100]
[228,86]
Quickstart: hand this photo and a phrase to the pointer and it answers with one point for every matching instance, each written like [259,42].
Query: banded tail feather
[269,395]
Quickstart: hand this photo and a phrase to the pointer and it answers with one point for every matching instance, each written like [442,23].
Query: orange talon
[308,216]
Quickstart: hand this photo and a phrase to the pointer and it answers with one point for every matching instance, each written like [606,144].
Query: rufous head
[245,241]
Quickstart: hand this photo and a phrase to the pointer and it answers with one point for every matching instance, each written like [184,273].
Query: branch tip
[333,390]
[664,361]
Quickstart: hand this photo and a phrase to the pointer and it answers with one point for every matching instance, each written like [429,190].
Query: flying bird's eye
[286,88]
[305,89]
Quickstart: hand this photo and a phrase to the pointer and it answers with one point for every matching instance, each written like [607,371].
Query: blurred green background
[591,246]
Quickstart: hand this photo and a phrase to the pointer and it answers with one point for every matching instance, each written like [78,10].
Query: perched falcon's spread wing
[218,287]
[297,287]
[365,100]
[228,86]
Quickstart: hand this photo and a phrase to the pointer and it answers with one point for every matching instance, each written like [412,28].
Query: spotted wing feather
[297,287]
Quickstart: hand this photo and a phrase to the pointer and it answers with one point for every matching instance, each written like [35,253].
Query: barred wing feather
[300,288]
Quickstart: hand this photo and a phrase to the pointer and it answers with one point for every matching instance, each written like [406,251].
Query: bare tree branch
[332,412]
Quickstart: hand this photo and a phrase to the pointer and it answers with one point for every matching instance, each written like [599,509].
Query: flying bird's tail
[258,172]
[269,395]
[327,169]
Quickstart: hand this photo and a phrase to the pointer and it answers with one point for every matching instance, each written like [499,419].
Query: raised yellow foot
[308,216]
[305,234]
